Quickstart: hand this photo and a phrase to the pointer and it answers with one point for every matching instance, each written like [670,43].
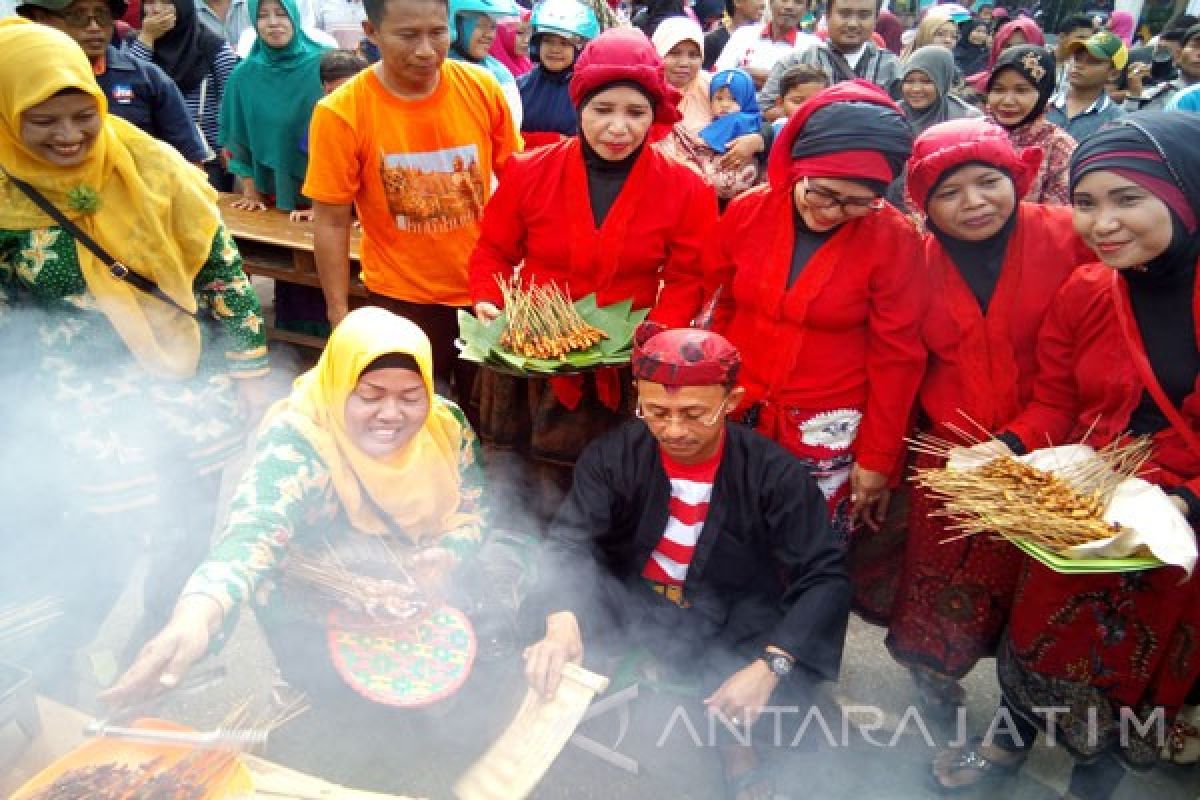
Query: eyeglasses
[824,199]
[81,18]
[659,417]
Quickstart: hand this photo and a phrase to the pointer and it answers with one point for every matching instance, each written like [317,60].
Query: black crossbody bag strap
[115,268]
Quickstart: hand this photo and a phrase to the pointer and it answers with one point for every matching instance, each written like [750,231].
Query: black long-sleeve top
[765,545]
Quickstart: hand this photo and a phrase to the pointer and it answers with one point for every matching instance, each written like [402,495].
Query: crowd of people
[844,230]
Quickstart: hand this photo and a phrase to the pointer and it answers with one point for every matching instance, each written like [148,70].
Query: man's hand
[486,312]
[544,661]
[164,660]
[869,496]
[743,695]
[1135,78]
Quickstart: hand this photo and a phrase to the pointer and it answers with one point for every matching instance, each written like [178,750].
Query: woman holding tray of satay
[362,471]
[601,212]
[994,265]
[821,289]
[1117,356]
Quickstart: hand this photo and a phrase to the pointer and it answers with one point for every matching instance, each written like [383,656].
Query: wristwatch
[778,663]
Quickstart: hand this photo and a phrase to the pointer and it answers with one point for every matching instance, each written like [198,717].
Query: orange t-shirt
[419,173]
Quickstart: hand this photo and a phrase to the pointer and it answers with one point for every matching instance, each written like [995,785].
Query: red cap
[625,54]
[683,356]
[952,144]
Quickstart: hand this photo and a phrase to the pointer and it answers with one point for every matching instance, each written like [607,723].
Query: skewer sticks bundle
[378,598]
[193,777]
[17,621]
[543,322]
[1007,497]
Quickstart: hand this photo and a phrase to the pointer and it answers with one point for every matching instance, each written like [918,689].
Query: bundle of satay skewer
[197,775]
[1005,496]
[385,600]
[543,322]
[19,620]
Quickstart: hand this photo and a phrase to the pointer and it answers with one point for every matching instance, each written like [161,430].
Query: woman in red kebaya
[822,292]
[1117,356]
[599,212]
[993,265]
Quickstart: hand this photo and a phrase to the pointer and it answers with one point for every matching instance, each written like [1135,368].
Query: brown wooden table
[275,247]
[62,731]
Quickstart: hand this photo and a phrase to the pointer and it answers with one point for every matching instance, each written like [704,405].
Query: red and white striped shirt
[691,490]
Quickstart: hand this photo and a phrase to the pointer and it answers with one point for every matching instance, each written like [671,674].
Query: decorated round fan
[409,667]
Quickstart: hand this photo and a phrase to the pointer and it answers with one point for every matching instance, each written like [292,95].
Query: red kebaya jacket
[655,232]
[845,335]
[1092,371]
[981,368]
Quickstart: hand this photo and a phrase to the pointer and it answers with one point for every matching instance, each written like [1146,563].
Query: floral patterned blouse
[1051,185]
[286,498]
[116,428]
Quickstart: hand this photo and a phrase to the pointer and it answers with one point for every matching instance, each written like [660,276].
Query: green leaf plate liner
[479,342]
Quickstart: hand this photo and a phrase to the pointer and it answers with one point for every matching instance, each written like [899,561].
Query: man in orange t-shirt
[412,144]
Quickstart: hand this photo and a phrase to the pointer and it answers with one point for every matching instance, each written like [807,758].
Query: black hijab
[607,178]
[186,51]
[1158,150]
[971,58]
[979,263]
[1036,65]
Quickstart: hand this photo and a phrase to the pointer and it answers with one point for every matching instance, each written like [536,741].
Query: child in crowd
[336,67]
[796,86]
[736,113]
[734,107]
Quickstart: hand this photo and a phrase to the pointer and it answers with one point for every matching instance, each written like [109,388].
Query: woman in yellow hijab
[361,468]
[121,405]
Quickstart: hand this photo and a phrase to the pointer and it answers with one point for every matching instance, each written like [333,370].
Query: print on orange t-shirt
[419,173]
[434,192]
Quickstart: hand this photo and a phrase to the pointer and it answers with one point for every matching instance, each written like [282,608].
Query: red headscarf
[952,144]
[504,48]
[889,26]
[625,54]
[870,142]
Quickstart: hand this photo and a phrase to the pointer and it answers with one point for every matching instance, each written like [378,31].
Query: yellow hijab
[157,213]
[417,487]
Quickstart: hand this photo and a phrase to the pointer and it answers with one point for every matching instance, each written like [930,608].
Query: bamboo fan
[1007,497]
[543,322]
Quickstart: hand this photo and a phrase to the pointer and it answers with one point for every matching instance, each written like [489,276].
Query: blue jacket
[141,93]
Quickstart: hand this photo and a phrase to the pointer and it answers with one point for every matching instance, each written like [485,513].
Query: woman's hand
[166,658]
[155,25]
[430,569]
[741,150]
[544,660]
[486,312]
[869,496]
[251,199]
[254,395]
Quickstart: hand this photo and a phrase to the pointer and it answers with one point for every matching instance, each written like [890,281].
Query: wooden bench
[275,247]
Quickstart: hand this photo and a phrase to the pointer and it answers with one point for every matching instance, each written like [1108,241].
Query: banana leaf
[479,342]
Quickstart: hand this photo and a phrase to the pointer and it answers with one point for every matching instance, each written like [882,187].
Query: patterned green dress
[287,499]
[118,431]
